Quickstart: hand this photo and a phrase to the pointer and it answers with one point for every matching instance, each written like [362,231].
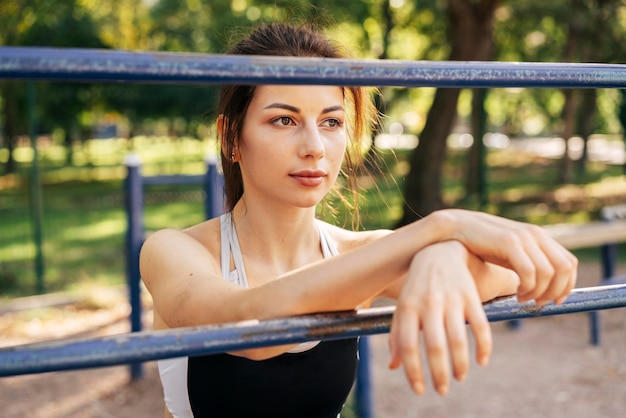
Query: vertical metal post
[363,392]
[214,189]
[481,123]
[608,259]
[608,253]
[35,189]
[133,193]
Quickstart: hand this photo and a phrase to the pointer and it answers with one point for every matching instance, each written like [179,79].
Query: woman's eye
[333,123]
[284,121]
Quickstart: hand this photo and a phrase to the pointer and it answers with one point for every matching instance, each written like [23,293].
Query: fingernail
[483,360]
[418,387]
[442,390]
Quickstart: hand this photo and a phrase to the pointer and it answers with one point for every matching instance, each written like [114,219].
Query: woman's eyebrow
[297,109]
[332,109]
[283,106]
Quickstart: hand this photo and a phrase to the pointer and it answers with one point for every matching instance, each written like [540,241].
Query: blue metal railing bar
[211,339]
[35,63]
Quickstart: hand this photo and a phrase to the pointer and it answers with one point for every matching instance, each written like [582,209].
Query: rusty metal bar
[34,63]
[145,346]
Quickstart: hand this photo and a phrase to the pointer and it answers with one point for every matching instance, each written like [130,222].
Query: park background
[546,155]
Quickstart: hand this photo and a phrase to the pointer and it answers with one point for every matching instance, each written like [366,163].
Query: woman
[282,149]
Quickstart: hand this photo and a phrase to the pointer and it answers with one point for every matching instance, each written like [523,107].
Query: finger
[435,343]
[520,262]
[570,285]
[394,356]
[456,333]
[563,266]
[544,272]
[407,345]
[477,319]
[564,281]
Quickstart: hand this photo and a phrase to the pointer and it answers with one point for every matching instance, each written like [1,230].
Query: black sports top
[314,383]
[311,380]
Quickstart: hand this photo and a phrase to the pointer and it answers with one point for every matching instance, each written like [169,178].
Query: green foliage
[539,31]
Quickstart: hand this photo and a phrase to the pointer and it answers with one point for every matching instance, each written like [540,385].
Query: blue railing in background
[213,184]
[21,63]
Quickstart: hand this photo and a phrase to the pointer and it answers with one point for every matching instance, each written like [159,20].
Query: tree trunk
[585,118]
[471,27]
[9,129]
[569,107]
[371,159]
[622,120]
[475,184]
[569,121]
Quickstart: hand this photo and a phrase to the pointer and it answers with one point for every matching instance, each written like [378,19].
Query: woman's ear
[228,150]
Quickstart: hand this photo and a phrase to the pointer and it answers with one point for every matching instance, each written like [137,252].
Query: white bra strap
[328,246]
[230,245]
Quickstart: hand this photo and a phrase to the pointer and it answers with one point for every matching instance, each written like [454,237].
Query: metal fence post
[133,193]
[35,192]
[214,189]
[608,255]
[363,394]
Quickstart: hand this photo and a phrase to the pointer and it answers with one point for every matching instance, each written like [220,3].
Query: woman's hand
[438,297]
[546,270]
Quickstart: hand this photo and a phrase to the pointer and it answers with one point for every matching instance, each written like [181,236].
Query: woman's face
[292,143]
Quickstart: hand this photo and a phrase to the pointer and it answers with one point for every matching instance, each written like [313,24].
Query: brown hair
[285,40]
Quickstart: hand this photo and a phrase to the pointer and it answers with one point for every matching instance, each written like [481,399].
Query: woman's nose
[312,144]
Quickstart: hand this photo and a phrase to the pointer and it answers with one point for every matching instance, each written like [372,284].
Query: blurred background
[546,156]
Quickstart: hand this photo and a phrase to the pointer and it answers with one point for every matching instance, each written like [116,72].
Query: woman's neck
[278,235]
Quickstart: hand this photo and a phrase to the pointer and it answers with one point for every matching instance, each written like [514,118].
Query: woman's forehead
[323,96]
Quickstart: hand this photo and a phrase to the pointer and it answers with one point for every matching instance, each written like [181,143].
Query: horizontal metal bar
[153,345]
[173,180]
[30,63]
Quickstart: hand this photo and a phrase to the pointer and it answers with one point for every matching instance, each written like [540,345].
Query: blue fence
[30,64]
[211,339]
[134,184]
[106,65]
[608,257]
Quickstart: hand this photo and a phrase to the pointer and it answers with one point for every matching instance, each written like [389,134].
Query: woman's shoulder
[205,234]
[346,239]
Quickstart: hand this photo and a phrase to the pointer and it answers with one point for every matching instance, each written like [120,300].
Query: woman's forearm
[349,279]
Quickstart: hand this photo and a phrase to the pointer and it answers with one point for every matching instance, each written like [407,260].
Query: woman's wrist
[441,225]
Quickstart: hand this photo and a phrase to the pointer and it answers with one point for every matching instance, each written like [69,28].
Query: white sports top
[173,372]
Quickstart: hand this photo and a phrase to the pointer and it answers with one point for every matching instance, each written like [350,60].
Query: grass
[84,221]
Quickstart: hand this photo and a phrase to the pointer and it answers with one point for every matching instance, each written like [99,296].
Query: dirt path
[547,368]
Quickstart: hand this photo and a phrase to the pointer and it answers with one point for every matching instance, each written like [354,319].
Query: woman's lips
[309,178]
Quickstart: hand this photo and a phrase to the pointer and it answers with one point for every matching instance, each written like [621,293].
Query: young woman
[282,149]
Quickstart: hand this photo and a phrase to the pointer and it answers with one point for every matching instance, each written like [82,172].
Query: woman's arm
[443,291]
[184,277]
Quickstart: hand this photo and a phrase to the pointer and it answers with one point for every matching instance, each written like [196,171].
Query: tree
[622,120]
[470,27]
[573,31]
[39,23]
